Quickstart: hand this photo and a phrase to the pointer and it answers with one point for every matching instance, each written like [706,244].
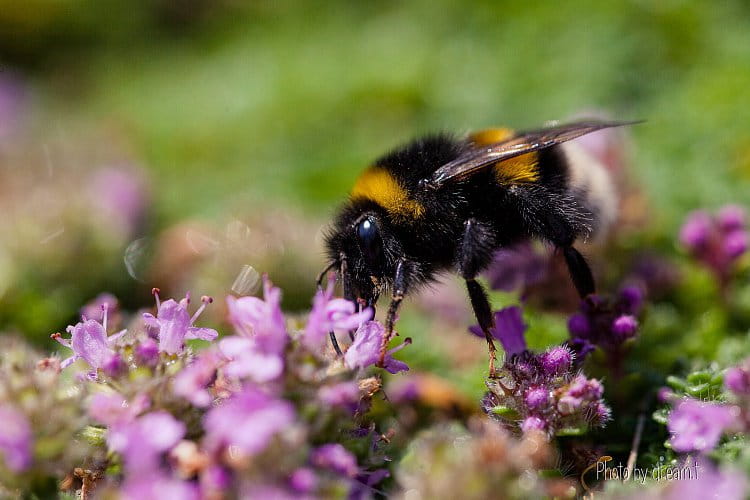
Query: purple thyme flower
[89,341]
[331,315]
[731,217]
[147,352]
[737,379]
[150,485]
[303,480]
[114,366]
[717,242]
[365,350]
[696,230]
[335,457]
[343,394]
[247,421]
[625,326]
[143,440]
[517,267]
[545,392]
[707,481]
[697,426]
[605,323]
[112,409]
[509,330]
[120,195]
[215,480]
[260,319]
[192,382]
[556,360]
[533,423]
[15,439]
[95,307]
[735,244]
[247,358]
[173,325]
[537,397]
[257,351]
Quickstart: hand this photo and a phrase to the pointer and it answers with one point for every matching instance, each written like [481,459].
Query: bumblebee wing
[479,158]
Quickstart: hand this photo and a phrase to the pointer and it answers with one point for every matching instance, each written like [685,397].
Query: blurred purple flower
[697,426]
[173,325]
[343,394]
[257,351]
[94,308]
[214,480]
[533,423]
[112,409]
[12,104]
[707,481]
[15,439]
[517,267]
[717,242]
[625,326]
[119,194]
[246,358]
[735,243]
[143,440]
[147,352]
[365,350]
[509,330]
[247,421]
[114,365]
[331,315]
[150,485]
[336,458]
[731,217]
[608,324]
[89,341]
[192,382]
[696,230]
[303,480]
[737,379]
[537,397]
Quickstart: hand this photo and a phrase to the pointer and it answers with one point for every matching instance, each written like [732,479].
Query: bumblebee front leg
[400,280]
[475,254]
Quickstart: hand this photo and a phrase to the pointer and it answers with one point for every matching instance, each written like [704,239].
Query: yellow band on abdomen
[522,168]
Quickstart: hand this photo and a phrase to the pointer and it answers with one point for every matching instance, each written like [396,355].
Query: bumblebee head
[359,246]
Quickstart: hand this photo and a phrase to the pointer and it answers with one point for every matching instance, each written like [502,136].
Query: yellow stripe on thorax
[522,168]
[378,185]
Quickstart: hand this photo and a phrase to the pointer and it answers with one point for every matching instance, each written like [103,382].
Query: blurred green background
[244,124]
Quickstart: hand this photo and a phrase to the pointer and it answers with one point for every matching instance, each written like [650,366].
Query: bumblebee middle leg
[475,254]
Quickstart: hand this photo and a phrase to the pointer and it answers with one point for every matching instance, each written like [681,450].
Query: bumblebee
[444,202]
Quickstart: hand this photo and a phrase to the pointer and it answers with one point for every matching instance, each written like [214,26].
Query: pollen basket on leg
[378,185]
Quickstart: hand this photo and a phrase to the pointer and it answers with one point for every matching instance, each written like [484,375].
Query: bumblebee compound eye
[370,242]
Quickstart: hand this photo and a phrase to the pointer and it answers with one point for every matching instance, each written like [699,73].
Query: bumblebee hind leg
[580,272]
[475,254]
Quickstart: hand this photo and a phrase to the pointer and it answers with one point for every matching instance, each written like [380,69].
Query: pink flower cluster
[541,392]
[717,241]
[237,388]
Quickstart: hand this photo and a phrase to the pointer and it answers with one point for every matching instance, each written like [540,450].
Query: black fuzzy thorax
[436,241]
